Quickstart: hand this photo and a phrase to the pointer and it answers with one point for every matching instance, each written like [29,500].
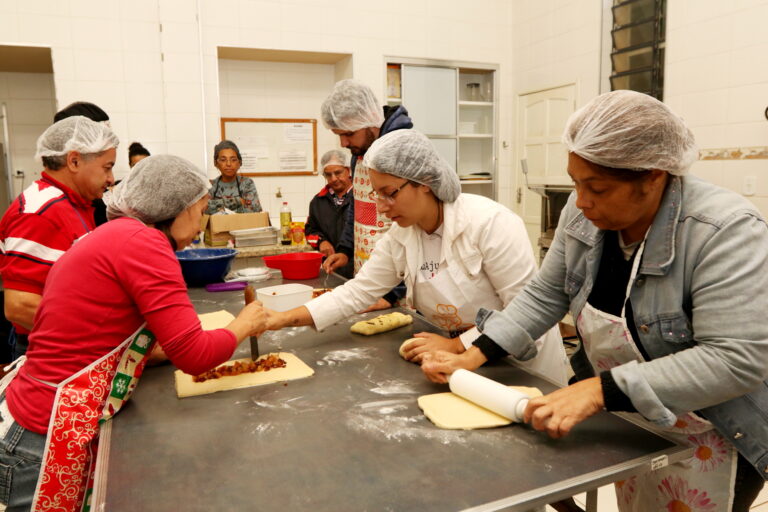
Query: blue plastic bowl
[204,266]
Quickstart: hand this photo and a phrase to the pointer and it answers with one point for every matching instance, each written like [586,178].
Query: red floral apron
[83,402]
[370,225]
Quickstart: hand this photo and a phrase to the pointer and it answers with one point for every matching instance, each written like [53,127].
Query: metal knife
[250,296]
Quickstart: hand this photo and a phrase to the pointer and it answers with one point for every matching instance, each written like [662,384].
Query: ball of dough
[402,348]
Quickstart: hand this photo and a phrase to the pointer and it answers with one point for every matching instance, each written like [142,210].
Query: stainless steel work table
[351,437]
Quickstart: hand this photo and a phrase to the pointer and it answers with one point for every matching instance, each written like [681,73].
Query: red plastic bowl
[296,265]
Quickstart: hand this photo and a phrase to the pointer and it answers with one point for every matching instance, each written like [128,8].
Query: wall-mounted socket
[749,186]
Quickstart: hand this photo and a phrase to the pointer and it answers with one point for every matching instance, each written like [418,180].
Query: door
[541,120]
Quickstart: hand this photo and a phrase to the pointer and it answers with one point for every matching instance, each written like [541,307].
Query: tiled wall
[280,90]
[555,43]
[30,103]
[162,87]
[717,79]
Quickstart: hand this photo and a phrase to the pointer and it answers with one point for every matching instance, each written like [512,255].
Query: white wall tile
[183,97]
[29,86]
[103,33]
[99,65]
[142,66]
[180,38]
[140,36]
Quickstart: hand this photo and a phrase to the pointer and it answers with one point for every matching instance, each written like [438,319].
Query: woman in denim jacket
[666,276]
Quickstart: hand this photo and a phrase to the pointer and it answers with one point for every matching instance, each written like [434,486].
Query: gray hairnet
[334,157]
[76,133]
[631,130]
[226,144]
[158,188]
[410,155]
[350,107]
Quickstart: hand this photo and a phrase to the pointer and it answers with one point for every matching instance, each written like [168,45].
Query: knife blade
[250,296]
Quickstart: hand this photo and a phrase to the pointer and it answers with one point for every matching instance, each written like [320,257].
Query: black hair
[136,149]
[226,144]
[164,226]
[81,108]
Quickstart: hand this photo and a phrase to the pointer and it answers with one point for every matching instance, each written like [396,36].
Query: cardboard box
[217,227]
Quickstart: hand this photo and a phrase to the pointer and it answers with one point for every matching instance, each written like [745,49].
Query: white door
[541,120]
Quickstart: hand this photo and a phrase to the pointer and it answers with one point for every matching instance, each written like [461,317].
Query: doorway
[27,107]
[541,119]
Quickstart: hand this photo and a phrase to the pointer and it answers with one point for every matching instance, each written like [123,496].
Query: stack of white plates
[254,236]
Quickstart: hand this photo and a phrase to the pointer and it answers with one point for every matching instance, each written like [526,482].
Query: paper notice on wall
[251,157]
[293,160]
[297,132]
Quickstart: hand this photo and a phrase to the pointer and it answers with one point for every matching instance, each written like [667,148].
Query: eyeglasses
[223,160]
[388,198]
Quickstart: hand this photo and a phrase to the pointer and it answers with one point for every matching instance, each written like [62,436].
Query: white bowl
[285,296]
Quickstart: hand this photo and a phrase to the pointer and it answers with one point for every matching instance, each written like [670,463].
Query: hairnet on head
[226,144]
[75,133]
[631,130]
[410,155]
[158,188]
[350,107]
[334,157]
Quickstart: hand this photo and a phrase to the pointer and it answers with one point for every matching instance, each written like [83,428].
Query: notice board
[273,147]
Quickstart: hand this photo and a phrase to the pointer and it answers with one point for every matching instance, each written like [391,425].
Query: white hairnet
[334,157]
[631,130]
[350,107]
[410,155]
[76,133]
[158,188]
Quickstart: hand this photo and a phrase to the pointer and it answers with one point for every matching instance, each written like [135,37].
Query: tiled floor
[606,500]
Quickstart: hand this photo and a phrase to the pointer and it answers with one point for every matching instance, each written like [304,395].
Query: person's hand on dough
[380,304]
[425,342]
[326,248]
[438,366]
[561,410]
[335,261]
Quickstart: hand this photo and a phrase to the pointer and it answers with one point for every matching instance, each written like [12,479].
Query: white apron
[370,225]
[452,309]
[702,483]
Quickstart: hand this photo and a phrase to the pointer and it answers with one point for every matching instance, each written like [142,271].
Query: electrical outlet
[749,186]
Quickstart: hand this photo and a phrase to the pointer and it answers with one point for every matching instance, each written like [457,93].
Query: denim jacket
[699,302]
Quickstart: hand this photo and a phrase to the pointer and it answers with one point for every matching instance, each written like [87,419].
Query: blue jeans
[21,453]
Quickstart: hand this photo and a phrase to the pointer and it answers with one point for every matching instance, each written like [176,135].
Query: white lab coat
[485,247]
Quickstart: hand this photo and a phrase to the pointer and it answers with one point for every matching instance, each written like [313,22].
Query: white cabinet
[454,105]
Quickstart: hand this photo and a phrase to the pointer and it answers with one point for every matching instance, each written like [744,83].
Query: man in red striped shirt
[52,213]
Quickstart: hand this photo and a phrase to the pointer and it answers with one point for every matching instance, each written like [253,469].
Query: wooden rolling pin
[250,296]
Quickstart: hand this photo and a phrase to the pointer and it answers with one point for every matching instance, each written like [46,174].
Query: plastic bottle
[285,224]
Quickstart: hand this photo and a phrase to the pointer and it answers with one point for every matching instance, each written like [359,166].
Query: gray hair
[226,144]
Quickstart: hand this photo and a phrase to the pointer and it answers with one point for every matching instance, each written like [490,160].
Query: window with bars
[637,57]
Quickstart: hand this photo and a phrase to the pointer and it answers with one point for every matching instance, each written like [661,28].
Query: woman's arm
[214,205]
[728,304]
[153,279]
[378,276]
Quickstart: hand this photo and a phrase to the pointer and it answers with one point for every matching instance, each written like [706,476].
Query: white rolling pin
[492,395]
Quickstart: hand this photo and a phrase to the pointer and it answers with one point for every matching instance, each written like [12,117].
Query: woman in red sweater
[106,301]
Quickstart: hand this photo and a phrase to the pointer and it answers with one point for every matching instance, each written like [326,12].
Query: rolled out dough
[215,320]
[295,368]
[381,323]
[450,411]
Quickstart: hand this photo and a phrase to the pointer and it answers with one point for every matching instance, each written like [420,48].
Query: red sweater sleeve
[151,275]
